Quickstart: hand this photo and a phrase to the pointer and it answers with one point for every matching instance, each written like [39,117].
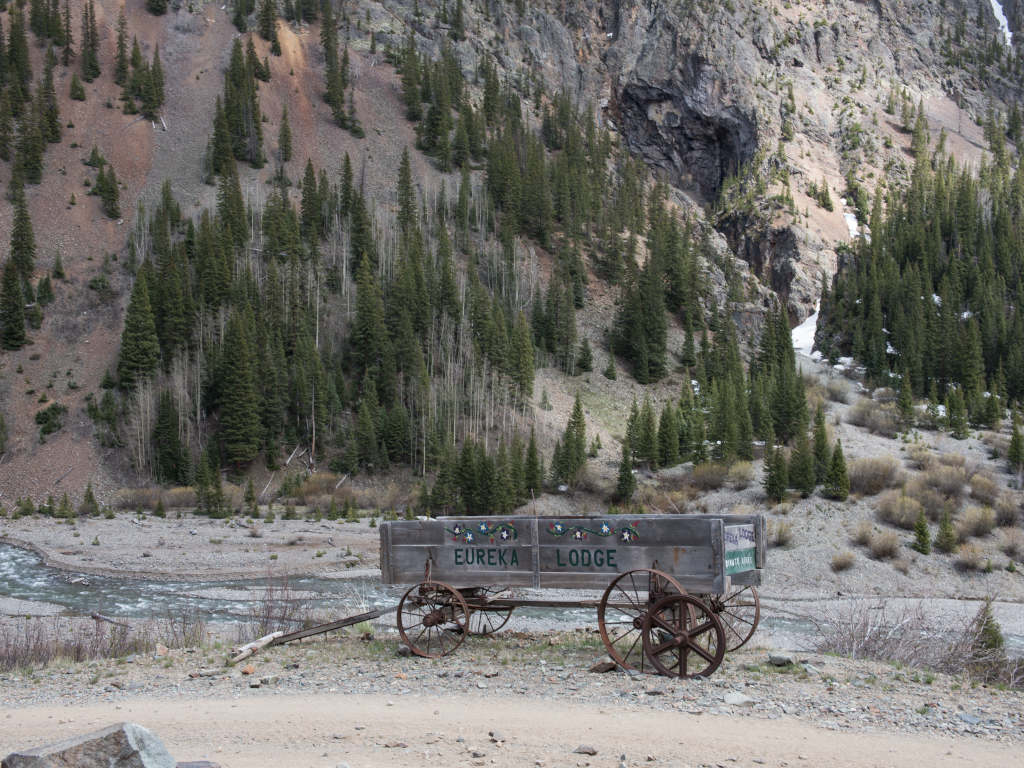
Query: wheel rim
[740,613]
[682,637]
[432,619]
[622,610]
[487,621]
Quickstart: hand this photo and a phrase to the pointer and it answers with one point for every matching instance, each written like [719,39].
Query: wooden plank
[319,629]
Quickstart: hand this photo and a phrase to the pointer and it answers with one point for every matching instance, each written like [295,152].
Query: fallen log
[101,617]
[247,650]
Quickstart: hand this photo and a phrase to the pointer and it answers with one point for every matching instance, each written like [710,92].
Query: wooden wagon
[678,590]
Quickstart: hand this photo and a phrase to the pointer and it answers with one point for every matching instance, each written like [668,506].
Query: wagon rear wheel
[432,619]
[623,608]
[483,618]
[740,613]
[682,637]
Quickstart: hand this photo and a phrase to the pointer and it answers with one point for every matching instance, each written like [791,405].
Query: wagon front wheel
[740,612]
[484,618]
[621,613]
[682,637]
[433,619]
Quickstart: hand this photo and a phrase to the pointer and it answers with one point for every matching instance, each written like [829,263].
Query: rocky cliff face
[699,89]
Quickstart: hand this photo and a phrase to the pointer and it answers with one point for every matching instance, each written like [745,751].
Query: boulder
[125,745]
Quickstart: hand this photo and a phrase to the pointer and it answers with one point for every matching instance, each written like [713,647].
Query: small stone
[396,745]
[161,649]
[403,650]
[968,718]
[603,667]
[780,661]
[477,753]
[248,669]
[481,685]
[254,683]
[737,699]
[496,736]
[650,758]
[585,749]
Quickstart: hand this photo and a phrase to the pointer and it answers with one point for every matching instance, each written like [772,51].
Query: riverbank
[347,699]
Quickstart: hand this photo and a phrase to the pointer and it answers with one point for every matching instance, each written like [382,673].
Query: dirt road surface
[370,730]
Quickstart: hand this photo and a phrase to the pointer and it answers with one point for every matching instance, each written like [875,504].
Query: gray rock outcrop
[125,745]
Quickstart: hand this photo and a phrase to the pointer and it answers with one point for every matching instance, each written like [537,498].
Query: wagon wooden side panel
[557,553]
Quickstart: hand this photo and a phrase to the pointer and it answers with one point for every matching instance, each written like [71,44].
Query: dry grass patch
[182,496]
[838,390]
[780,533]
[896,508]
[843,561]
[884,545]
[934,502]
[871,476]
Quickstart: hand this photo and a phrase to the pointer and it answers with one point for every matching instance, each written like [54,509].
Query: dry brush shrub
[970,557]
[843,561]
[896,508]
[934,502]
[709,476]
[953,460]
[920,457]
[780,533]
[863,533]
[984,488]
[744,510]
[947,480]
[25,642]
[1007,509]
[137,498]
[275,607]
[975,521]
[1012,542]
[905,634]
[871,476]
[884,545]
[838,390]
[740,475]
[180,497]
[877,418]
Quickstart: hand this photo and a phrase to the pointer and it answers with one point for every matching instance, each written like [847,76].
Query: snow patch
[803,334]
[1004,24]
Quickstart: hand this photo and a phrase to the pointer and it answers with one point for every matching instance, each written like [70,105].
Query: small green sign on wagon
[740,549]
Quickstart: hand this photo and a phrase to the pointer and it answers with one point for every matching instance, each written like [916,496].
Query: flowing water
[23,575]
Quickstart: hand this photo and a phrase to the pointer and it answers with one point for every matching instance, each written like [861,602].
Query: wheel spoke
[701,652]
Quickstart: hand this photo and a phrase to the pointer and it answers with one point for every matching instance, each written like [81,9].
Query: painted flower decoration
[457,529]
[578,535]
[626,535]
[469,537]
[559,527]
[483,527]
[605,529]
[504,533]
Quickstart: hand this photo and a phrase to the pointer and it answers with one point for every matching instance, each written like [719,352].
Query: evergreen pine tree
[585,358]
[240,426]
[12,309]
[822,450]
[801,466]
[668,437]
[922,537]
[140,346]
[1015,453]
[533,472]
[170,458]
[946,539]
[23,242]
[68,40]
[626,483]
[121,55]
[775,475]
[284,138]
[647,436]
[956,414]
[837,483]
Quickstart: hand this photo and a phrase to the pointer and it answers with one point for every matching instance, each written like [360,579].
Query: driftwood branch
[247,650]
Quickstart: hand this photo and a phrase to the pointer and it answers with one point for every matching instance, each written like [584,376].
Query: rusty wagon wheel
[432,619]
[623,608]
[683,637]
[484,619]
[740,613]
